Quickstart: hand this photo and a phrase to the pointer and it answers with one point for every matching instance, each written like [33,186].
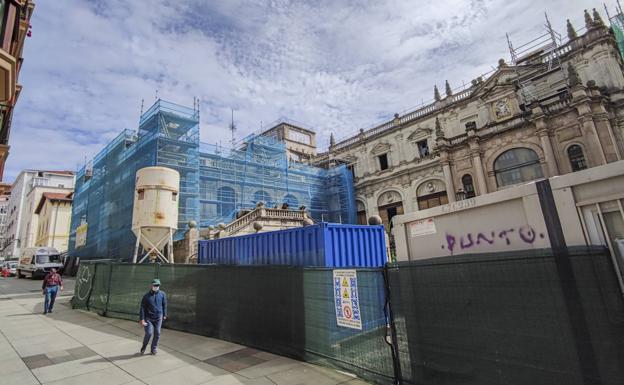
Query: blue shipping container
[322,245]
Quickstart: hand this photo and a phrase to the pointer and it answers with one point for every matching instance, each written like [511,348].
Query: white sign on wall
[422,227]
[347,299]
[81,235]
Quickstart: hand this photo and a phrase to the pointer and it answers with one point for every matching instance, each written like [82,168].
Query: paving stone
[81,352]
[108,376]
[37,361]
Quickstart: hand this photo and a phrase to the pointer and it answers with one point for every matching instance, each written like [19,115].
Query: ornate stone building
[552,111]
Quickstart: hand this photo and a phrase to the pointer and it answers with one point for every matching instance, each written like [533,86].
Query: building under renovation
[215,183]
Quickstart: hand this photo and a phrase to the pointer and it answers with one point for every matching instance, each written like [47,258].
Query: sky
[334,66]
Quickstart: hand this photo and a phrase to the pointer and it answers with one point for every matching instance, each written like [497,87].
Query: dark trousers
[152,328]
[50,296]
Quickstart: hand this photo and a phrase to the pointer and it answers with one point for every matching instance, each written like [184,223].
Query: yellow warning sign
[345,283]
[345,294]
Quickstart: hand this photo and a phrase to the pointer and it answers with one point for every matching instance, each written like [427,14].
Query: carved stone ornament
[501,108]
[389,197]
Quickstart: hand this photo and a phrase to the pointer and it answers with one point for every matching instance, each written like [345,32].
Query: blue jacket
[154,305]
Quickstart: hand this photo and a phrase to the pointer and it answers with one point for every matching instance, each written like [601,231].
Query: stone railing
[406,118]
[242,221]
[553,108]
[265,213]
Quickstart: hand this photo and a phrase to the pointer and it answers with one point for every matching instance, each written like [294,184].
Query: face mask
[155,288]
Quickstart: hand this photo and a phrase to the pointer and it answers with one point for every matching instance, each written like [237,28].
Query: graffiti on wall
[525,234]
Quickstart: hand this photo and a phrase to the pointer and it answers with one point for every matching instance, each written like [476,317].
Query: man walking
[153,312]
[51,284]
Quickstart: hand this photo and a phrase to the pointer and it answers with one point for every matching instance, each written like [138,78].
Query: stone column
[539,120]
[481,185]
[549,154]
[448,181]
[594,152]
[475,152]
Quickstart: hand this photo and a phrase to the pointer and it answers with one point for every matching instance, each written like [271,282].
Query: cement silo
[155,212]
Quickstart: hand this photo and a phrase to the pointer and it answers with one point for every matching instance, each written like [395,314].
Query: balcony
[8,72]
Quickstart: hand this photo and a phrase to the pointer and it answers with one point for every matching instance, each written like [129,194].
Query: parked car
[9,268]
[37,262]
[12,267]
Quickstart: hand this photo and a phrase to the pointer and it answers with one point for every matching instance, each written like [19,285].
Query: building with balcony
[555,109]
[14,27]
[22,219]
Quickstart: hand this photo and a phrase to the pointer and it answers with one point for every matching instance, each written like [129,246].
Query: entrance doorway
[388,212]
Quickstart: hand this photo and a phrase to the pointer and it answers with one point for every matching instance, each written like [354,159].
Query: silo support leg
[136,248]
[170,248]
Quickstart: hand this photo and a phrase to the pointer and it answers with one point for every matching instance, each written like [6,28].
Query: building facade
[22,221]
[54,218]
[300,142]
[5,192]
[554,110]
[14,27]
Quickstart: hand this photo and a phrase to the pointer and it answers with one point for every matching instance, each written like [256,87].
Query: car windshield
[41,259]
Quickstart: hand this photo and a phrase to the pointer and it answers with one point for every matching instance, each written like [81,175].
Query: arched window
[291,201]
[468,186]
[516,166]
[577,158]
[361,212]
[262,196]
[226,197]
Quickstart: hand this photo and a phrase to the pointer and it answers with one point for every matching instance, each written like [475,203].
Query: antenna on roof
[142,103]
[156,93]
[233,129]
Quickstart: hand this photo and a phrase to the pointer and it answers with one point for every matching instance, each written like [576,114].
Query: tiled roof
[51,196]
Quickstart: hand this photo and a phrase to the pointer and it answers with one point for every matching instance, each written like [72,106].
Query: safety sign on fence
[347,300]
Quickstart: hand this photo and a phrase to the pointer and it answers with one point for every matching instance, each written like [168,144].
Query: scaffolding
[617,25]
[532,59]
[259,171]
[168,136]
[215,183]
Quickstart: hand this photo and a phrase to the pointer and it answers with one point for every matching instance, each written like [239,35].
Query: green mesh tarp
[284,310]
[503,319]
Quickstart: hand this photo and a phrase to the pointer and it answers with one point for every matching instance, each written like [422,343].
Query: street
[77,347]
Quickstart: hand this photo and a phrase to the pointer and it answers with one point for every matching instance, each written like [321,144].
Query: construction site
[215,182]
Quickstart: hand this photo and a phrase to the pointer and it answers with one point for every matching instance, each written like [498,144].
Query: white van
[37,262]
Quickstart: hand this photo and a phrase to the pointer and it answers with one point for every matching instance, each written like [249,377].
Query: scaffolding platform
[215,183]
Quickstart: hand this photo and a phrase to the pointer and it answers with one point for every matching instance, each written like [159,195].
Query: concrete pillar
[448,181]
[549,154]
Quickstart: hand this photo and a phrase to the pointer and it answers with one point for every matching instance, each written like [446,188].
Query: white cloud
[335,65]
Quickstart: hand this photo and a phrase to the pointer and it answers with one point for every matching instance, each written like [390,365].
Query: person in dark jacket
[153,312]
[51,284]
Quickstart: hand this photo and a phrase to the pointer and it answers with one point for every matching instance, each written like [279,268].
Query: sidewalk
[76,347]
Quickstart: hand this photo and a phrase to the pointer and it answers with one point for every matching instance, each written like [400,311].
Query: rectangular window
[141,194]
[174,196]
[423,148]
[383,161]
